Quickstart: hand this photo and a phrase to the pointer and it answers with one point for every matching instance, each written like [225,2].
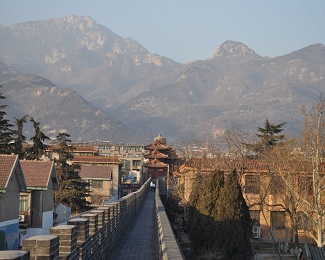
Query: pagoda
[161,160]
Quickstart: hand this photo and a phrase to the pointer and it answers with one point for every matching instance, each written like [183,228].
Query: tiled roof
[156,164]
[95,172]
[84,148]
[156,154]
[37,173]
[156,145]
[96,159]
[7,163]
[315,253]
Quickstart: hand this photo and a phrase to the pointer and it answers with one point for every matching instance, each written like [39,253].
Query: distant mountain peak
[232,49]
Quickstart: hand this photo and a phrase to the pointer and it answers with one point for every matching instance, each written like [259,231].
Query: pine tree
[39,148]
[5,128]
[19,137]
[270,135]
[233,215]
[72,189]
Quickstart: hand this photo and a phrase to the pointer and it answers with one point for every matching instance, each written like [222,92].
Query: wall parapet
[168,246]
[92,235]
[95,234]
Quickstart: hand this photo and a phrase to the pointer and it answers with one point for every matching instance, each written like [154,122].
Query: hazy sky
[186,30]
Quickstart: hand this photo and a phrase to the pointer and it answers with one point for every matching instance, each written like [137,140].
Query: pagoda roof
[156,154]
[156,164]
[156,145]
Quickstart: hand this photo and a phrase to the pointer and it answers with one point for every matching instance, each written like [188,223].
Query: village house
[12,182]
[100,178]
[36,205]
[114,163]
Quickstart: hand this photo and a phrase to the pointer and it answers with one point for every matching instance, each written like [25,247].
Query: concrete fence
[92,235]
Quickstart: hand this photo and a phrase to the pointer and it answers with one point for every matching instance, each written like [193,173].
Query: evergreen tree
[5,128]
[233,215]
[204,229]
[72,190]
[19,137]
[270,135]
[39,148]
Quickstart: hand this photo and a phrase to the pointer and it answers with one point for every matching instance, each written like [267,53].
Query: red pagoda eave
[156,164]
[156,145]
[156,154]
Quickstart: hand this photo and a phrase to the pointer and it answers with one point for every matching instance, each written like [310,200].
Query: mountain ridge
[236,87]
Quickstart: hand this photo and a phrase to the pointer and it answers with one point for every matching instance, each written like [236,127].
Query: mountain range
[73,74]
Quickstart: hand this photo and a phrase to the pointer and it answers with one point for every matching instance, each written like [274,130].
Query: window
[97,184]
[278,219]
[252,184]
[23,203]
[136,163]
[304,222]
[305,185]
[255,217]
[277,185]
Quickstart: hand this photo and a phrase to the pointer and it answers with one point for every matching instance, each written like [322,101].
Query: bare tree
[314,147]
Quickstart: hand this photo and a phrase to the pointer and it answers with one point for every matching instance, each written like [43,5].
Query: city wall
[96,233]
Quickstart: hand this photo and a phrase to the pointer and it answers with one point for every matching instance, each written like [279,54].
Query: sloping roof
[37,173]
[7,167]
[95,172]
[96,159]
[84,148]
[155,164]
[314,253]
[156,145]
[155,154]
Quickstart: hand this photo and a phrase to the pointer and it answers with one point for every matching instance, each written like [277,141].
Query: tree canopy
[72,190]
[6,133]
[219,217]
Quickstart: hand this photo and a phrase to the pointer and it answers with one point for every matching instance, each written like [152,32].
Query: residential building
[130,155]
[12,182]
[36,205]
[114,163]
[100,178]
[263,189]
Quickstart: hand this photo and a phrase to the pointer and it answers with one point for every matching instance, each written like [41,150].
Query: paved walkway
[140,242]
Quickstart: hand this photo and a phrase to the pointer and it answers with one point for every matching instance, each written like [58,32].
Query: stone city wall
[92,235]
[95,234]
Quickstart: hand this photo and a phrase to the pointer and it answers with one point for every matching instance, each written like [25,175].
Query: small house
[12,182]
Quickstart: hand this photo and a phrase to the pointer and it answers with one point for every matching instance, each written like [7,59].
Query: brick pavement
[140,242]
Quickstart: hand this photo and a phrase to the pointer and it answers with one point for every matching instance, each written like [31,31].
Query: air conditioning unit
[256,232]
[22,218]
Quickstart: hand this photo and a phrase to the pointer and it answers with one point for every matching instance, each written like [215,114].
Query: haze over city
[190,30]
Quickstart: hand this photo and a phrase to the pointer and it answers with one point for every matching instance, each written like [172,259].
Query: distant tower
[160,139]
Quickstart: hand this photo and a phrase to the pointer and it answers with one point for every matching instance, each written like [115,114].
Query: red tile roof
[37,173]
[7,163]
[156,154]
[156,145]
[96,159]
[95,172]
[155,164]
[84,148]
